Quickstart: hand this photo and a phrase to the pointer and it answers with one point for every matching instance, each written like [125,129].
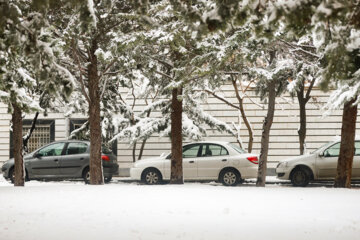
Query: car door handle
[81,158]
[56,160]
[191,161]
[224,160]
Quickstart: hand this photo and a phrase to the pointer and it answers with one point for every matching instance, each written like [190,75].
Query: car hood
[297,159]
[26,157]
[148,161]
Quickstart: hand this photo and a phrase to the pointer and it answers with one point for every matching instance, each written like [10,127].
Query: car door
[326,164]
[45,163]
[212,159]
[190,155]
[356,161]
[75,157]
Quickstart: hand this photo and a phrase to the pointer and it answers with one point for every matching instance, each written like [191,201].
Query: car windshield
[237,148]
[323,146]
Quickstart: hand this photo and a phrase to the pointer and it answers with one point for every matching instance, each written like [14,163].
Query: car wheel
[86,175]
[229,177]
[107,179]
[300,178]
[151,176]
[12,175]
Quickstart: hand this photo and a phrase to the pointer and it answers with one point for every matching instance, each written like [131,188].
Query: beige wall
[283,139]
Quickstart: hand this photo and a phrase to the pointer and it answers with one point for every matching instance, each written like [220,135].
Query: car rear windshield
[237,148]
[105,149]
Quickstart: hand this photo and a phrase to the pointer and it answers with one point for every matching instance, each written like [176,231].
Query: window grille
[40,136]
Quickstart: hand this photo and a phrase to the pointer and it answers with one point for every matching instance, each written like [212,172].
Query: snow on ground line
[72,210]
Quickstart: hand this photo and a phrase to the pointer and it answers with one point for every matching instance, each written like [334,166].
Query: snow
[125,210]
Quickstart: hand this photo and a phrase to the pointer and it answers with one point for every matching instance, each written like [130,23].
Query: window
[213,150]
[76,148]
[77,123]
[44,133]
[332,151]
[191,151]
[357,148]
[52,150]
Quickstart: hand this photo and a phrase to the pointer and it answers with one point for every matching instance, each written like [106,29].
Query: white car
[318,165]
[222,161]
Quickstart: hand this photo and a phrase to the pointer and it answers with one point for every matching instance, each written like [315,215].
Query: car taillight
[105,158]
[254,160]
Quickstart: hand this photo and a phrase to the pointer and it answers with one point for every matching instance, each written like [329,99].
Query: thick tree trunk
[266,135]
[17,143]
[96,173]
[345,161]
[302,128]
[244,117]
[176,138]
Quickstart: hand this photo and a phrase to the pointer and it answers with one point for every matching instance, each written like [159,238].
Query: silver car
[219,161]
[318,165]
[62,160]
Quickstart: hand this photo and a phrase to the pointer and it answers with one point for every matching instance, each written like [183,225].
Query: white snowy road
[72,210]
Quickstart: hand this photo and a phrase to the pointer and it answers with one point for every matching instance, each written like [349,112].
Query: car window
[213,150]
[237,148]
[52,150]
[357,148]
[191,151]
[76,148]
[332,151]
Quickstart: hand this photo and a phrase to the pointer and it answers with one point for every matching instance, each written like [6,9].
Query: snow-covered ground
[125,210]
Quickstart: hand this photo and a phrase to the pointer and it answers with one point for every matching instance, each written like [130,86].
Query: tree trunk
[266,135]
[302,128]
[347,146]
[176,138]
[142,149]
[134,152]
[96,173]
[17,143]
[243,115]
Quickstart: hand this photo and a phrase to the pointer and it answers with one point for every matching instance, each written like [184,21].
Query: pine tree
[29,68]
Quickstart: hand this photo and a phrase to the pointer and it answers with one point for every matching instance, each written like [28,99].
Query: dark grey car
[62,160]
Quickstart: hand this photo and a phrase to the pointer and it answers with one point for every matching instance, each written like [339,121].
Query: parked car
[221,161]
[318,165]
[62,160]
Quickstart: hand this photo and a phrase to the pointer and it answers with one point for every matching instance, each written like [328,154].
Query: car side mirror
[37,155]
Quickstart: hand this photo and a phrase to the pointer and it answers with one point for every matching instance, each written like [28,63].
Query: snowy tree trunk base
[346,155]
[176,138]
[17,142]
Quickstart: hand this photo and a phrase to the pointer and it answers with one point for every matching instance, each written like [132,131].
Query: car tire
[151,176]
[86,175]
[229,177]
[300,177]
[12,175]
[107,179]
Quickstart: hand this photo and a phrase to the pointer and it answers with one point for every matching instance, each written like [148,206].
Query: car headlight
[282,165]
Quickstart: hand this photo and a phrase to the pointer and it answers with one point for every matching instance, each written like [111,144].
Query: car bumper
[135,173]
[5,172]
[249,172]
[111,169]
[282,173]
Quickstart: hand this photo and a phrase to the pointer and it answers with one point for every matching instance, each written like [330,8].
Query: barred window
[44,133]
